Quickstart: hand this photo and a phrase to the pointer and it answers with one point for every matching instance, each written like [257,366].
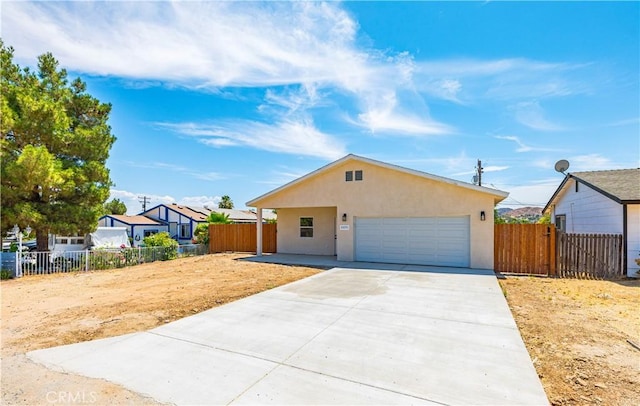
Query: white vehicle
[108,237]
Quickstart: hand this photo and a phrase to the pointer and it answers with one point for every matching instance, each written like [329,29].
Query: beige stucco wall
[323,241]
[384,192]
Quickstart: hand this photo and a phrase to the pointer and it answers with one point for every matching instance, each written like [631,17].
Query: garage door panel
[440,241]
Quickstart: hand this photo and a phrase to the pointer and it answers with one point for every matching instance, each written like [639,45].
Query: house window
[577,183]
[148,233]
[306,227]
[561,222]
[358,175]
[185,231]
[348,176]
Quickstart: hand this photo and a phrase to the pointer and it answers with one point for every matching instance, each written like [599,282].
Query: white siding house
[601,202]
[181,220]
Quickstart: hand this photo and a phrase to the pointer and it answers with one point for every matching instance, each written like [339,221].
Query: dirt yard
[51,310]
[576,332]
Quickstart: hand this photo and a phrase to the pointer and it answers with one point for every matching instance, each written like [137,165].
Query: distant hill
[531,214]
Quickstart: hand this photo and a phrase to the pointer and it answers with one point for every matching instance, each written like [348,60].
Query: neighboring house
[137,227]
[360,209]
[181,220]
[601,202]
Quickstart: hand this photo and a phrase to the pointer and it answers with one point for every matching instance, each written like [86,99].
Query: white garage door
[442,241]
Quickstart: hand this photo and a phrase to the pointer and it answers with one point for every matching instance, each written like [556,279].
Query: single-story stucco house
[360,209]
[601,202]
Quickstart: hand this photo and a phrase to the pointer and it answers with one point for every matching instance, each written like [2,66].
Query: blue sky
[238,98]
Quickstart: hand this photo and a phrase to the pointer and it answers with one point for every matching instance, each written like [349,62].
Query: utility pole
[479,170]
[144,200]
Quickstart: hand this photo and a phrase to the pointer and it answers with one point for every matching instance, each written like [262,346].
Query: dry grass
[576,332]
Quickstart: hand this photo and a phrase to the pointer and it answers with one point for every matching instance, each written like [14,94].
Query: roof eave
[556,193]
[584,182]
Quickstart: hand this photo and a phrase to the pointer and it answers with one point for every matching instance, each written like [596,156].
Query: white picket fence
[41,263]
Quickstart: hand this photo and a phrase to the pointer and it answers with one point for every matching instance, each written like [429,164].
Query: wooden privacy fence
[590,255]
[538,249]
[525,248]
[241,237]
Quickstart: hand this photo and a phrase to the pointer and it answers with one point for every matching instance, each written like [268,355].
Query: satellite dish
[562,165]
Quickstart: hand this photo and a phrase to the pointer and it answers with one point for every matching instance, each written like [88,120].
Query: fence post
[18,272]
[86,260]
[552,250]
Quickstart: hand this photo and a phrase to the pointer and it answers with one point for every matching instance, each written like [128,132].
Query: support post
[259,231]
[552,250]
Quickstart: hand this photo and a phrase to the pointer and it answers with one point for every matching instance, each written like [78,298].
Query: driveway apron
[421,335]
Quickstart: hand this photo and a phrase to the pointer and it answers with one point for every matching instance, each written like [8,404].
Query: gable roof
[192,213]
[499,195]
[620,185]
[137,220]
[201,213]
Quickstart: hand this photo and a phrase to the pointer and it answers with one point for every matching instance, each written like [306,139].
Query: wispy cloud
[310,45]
[385,117]
[291,137]
[302,54]
[625,122]
[442,165]
[208,176]
[532,115]
[591,162]
[249,44]
[210,201]
[522,147]
[284,175]
[469,80]
[132,200]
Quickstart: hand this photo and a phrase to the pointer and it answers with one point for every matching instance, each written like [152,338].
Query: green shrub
[165,241]
[201,234]
[5,274]
[218,218]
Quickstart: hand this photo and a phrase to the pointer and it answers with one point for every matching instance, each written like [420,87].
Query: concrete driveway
[344,336]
